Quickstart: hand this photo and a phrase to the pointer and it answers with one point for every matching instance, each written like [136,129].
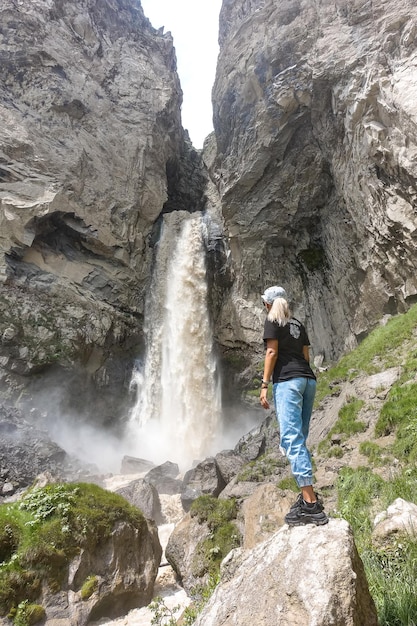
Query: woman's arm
[306,353]
[271,356]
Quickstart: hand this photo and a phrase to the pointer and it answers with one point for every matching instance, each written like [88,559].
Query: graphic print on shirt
[294,329]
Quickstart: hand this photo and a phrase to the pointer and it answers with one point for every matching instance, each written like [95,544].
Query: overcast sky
[194,25]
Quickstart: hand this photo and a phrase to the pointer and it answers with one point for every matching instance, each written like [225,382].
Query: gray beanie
[271,293]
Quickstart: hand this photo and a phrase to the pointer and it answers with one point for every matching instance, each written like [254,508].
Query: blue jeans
[293,405]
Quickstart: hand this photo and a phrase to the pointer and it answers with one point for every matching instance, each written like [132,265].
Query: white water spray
[177,411]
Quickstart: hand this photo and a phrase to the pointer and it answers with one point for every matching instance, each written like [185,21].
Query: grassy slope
[373,450]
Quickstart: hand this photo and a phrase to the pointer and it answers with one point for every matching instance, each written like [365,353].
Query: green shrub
[373,451]
[211,551]
[28,614]
[358,489]
[213,511]
[200,596]
[335,451]
[90,585]
[391,572]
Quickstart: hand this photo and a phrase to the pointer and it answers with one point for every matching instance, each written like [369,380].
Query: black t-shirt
[291,339]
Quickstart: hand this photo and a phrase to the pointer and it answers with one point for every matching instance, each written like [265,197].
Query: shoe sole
[303,522]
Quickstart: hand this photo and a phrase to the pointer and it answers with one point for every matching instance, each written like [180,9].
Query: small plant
[162,614]
[201,595]
[89,587]
[28,614]
[213,511]
[335,451]
[373,451]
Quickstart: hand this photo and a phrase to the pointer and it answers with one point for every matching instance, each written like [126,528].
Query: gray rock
[163,477]
[133,465]
[264,585]
[143,495]
[181,551]
[315,167]
[229,464]
[204,479]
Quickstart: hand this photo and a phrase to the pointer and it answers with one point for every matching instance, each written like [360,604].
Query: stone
[164,478]
[264,513]
[229,464]
[133,465]
[306,575]
[181,551]
[400,517]
[142,494]
[204,479]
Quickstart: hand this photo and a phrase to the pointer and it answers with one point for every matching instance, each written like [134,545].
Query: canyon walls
[315,127]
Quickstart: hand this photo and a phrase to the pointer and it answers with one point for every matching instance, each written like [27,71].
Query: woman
[294,388]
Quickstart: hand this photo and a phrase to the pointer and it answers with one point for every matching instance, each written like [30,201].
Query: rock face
[124,570]
[91,152]
[314,116]
[264,586]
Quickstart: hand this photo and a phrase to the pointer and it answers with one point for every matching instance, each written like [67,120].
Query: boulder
[307,575]
[164,478]
[205,478]
[124,568]
[400,517]
[181,551]
[133,465]
[145,497]
[264,513]
[229,464]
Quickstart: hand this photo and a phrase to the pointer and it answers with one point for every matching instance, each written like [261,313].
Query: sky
[194,25]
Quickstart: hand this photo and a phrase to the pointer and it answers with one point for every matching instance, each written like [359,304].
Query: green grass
[375,454]
[378,351]
[224,536]
[391,565]
[41,533]
[346,425]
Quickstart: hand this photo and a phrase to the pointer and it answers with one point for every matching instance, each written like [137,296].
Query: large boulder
[144,495]
[125,569]
[164,478]
[181,551]
[305,575]
[203,479]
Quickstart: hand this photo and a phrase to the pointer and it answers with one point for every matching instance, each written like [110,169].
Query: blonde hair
[280,312]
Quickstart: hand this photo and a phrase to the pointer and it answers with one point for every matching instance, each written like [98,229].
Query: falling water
[177,411]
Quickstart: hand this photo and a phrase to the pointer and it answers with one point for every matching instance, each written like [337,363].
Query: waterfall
[177,411]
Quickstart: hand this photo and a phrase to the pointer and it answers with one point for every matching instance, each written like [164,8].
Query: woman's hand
[263,398]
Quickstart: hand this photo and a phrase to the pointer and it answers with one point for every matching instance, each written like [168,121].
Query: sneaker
[300,500]
[303,513]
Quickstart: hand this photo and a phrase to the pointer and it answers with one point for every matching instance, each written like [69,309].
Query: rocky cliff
[92,151]
[311,166]
[315,126]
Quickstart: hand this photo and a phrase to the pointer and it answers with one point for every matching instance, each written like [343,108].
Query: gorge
[308,181]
